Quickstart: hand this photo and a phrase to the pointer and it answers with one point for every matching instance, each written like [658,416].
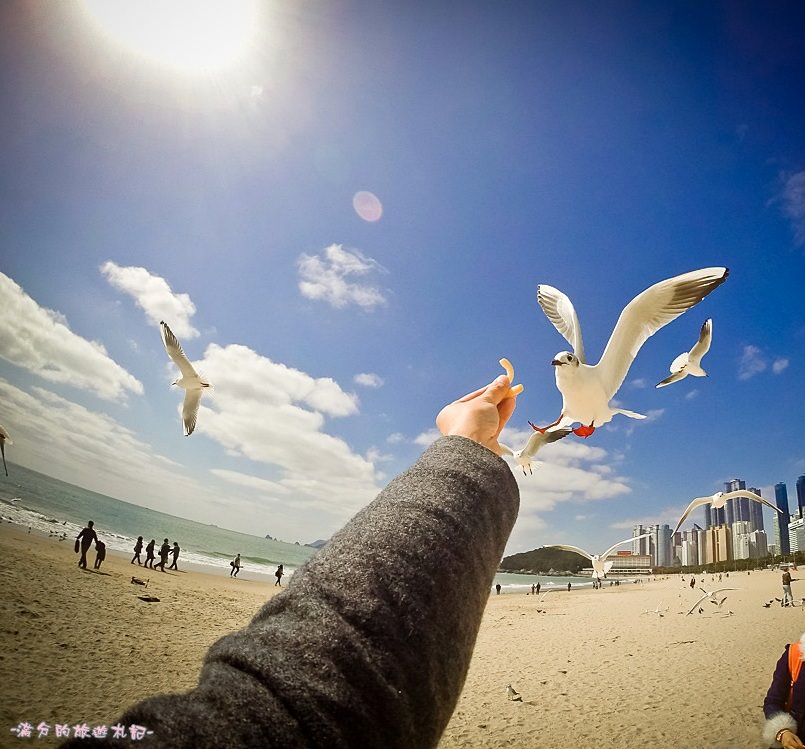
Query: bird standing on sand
[588,389]
[718,500]
[189,381]
[535,443]
[690,363]
[600,564]
[5,437]
[513,694]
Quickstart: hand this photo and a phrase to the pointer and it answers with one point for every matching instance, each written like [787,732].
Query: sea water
[48,505]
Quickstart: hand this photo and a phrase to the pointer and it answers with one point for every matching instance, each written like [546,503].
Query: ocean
[50,506]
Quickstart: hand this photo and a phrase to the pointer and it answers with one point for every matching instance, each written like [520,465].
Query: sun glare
[189,35]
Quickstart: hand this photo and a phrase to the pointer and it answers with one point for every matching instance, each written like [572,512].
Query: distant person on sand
[149,554]
[278,574]
[692,583]
[538,587]
[138,547]
[497,588]
[379,661]
[235,565]
[568,587]
[788,596]
[100,553]
[164,550]
[87,537]
[175,551]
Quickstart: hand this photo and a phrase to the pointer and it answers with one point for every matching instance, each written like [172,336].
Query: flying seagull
[690,363]
[600,564]
[710,597]
[189,381]
[535,443]
[718,500]
[550,590]
[513,694]
[588,389]
[5,437]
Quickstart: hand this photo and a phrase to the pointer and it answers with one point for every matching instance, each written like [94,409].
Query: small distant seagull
[15,499]
[189,381]
[588,389]
[550,590]
[768,605]
[138,581]
[535,443]
[709,596]
[690,363]
[600,564]
[513,694]
[5,437]
[718,500]
[660,612]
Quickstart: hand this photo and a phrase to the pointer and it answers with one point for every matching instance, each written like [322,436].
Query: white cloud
[154,296]
[569,471]
[39,340]
[779,365]
[368,379]
[395,438]
[252,482]
[691,395]
[640,383]
[325,277]
[752,362]
[793,200]
[427,438]
[273,414]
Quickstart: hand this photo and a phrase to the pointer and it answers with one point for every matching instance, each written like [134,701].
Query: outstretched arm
[371,643]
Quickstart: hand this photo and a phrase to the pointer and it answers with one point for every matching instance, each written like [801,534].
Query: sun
[188,35]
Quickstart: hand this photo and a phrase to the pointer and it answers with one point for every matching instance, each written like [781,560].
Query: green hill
[544,559]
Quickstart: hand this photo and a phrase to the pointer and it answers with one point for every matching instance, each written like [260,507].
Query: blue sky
[599,149]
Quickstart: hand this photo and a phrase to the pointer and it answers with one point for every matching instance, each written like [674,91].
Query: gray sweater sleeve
[370,644]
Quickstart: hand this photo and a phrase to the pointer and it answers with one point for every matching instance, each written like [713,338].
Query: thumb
[497,390]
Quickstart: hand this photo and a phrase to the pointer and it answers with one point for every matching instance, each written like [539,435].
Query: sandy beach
[593,670]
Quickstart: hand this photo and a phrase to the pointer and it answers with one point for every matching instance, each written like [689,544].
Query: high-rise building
[781,521]
[723,544]
[755,511]
[801,495]
[740,539]
[796,534]
[640,545]
[758,545]
[708,516]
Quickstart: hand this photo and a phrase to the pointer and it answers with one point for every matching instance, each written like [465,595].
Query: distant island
[544,561]
[317,544]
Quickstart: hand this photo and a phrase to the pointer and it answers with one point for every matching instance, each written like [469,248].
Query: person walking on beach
[164,550]
[175,551]
[278,574]
[692,583]
[86,538]
[538,587]
[138,547]
[100,553]
[788,596]
[149,554]
[568,587]
[235,565]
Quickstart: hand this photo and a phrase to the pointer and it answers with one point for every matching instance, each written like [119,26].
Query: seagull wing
[505,449]
[538,440]
[679,374]
[695,605]
[550,590]
[754,497]
[620,543]
[702,346]
[5,436]
[175,352]
[698,502]
[565,547]
[646,314]
[192,398]
[560,311]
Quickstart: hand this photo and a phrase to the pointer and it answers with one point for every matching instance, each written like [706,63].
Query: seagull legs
[583,431]
[542,430]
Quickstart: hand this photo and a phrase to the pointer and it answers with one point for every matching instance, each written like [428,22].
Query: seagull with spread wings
[690,363]
[535,443]
[718,500]
[588,389]
[710,597]
[600,564]
[190,382]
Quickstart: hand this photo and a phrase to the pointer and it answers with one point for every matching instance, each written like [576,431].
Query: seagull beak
[556,363]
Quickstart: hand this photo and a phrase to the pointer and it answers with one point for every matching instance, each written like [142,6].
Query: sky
[343,211]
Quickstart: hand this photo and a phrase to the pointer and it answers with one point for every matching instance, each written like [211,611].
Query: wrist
[779,737]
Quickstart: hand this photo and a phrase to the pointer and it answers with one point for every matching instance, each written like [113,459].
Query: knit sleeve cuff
[776,723]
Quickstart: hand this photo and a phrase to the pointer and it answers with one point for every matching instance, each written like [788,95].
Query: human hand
[790,740]
[480,415]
